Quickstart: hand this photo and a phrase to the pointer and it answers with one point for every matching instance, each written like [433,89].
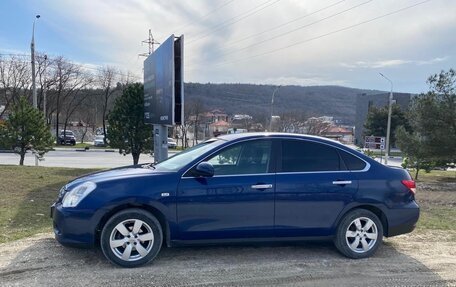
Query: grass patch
[82,145]
[437,217]
[435,175]
[26,194]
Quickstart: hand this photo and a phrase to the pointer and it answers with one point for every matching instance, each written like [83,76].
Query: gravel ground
[418,259]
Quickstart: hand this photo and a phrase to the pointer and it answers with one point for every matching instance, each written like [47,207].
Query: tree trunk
[135,157]
[84,134]
[22,154]
[105,107]
[416,173]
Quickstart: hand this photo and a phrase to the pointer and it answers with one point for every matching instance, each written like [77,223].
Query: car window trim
[230,144]
[276,157]
[365,169]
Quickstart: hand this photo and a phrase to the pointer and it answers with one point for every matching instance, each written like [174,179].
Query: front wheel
[131,238]
[359,234]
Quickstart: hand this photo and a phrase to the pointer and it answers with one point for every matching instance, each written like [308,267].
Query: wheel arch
[374,209]
[154,211]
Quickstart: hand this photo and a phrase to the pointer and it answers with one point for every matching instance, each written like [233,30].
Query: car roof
[230,137]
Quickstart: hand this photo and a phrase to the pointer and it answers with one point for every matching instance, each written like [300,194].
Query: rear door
[313,185]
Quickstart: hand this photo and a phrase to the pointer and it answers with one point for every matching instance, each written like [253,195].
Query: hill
[255,100]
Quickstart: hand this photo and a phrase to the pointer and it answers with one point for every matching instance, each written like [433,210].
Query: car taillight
[410,184]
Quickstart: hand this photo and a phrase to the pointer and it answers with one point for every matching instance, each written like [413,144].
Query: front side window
[250,157]
[307,156]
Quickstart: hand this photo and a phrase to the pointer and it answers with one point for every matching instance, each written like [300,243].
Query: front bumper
[73,227]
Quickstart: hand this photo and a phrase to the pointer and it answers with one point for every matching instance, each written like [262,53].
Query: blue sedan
[239,188]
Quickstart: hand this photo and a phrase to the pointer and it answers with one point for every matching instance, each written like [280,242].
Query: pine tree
[433,120]
[26,129]
[127,130]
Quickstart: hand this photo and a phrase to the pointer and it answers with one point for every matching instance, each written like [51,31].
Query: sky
[279,42]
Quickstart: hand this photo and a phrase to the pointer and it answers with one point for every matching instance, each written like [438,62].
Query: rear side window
[352,162]
[305,156]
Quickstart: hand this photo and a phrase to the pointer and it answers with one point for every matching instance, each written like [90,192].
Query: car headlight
[74,196]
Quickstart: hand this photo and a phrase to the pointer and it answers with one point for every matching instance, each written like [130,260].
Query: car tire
[131,238]
[359,234]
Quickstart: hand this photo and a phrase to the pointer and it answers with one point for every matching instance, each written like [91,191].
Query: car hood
[116,173]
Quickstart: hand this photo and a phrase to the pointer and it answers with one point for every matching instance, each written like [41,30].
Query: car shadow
[45,262]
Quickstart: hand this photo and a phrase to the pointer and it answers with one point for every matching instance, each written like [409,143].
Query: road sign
[373,142]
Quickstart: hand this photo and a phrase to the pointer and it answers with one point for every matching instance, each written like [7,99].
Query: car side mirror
[205,169]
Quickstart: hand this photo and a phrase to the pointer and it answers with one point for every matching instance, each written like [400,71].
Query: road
[417,259]
[77,159]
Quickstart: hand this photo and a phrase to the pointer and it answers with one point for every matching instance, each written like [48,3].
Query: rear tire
[131,238]
[359,234]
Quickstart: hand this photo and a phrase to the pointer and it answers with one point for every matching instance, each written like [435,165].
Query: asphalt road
[78,159]
[417,259]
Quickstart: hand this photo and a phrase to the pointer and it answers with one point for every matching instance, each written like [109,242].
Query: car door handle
[261,186]
[342,182]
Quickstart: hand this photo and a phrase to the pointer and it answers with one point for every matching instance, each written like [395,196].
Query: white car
[172,143]
[99,141]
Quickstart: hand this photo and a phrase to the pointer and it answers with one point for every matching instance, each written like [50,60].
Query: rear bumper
[403,220]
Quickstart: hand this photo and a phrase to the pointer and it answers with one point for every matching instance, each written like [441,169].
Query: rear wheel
[359,234]
[131,238]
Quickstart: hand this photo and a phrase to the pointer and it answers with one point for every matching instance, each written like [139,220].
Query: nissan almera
[239,188]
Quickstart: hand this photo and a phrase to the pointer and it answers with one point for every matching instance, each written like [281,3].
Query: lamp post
[44,87]
[272,106]
[388,126]
[32,48]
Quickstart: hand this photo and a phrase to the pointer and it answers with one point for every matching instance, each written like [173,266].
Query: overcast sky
[300,42]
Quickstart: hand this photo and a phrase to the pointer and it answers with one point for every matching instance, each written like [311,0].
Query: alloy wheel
[361,235]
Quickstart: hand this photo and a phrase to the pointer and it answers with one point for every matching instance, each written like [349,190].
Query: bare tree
[69,80]
[292,122]
[317,126]
[15,80]
[107,81]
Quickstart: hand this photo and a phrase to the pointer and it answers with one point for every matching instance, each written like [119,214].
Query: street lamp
[272,105]
[32,47]
[388,126]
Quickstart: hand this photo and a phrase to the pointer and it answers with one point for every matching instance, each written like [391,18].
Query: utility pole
[272,106]
[32,48]
[388,125]
[151,42]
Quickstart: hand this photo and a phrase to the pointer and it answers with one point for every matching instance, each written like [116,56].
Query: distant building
[219,127]
[364,102]
[342,134]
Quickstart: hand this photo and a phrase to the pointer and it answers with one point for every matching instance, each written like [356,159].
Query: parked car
[99,140]
[172,143]
[239,187]
[69,137]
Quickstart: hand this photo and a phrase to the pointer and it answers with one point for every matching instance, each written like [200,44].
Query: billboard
[164,85]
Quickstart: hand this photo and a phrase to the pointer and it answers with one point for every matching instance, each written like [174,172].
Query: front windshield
[181,159]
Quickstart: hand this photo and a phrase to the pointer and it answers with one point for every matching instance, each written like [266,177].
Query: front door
[237,202]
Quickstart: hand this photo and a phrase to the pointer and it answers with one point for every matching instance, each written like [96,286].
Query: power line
[298,28]
[192,23]
[324,35]
[286,23]
[238,18]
